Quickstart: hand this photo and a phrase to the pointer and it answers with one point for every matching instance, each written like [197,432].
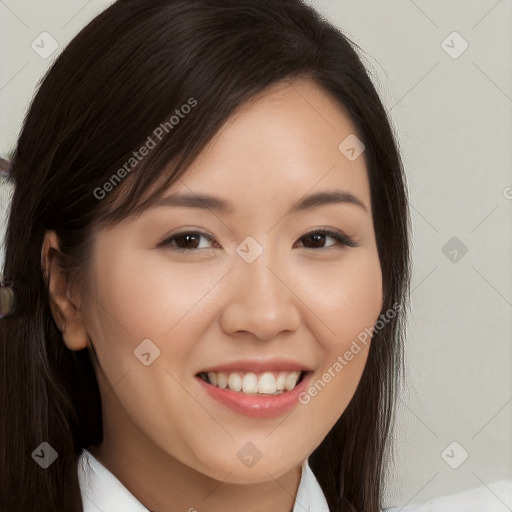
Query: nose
[260,300]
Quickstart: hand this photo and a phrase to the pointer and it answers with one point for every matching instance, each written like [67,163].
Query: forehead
[283,142]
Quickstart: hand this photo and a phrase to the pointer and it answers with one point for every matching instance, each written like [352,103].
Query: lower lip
[257,406]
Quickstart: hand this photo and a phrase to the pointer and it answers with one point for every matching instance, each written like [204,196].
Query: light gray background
[453,122]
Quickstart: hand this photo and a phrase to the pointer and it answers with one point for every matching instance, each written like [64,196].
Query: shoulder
[497,497]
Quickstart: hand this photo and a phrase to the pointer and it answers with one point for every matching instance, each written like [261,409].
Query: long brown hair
[119,79]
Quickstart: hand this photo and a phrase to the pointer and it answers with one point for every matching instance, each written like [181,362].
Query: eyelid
[188,231]
[337,234]
[340,236]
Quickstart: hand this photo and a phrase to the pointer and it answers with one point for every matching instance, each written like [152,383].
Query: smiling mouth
[251,383]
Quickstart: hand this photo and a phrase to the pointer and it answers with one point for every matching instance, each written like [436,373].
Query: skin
[170,444]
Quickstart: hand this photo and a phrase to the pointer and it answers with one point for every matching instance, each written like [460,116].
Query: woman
[208,246]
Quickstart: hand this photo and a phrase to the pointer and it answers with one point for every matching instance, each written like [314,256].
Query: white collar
[103,492]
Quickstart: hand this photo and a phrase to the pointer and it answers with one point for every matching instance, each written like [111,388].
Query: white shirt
[103,492]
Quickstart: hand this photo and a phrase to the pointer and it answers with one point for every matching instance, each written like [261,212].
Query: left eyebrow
[329,197]
[205,201]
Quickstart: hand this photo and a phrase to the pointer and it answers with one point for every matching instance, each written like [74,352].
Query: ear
[64,304]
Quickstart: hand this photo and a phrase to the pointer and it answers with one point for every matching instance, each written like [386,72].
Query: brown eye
[186,241]
[317,239]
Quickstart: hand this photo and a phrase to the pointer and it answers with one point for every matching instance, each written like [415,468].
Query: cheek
[130,301]
[348,303]
[124,307]
[346,298]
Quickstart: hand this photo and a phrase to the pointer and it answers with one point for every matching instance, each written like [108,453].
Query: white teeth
[235,381]
[281,382]
[222,380]
[266,383]
[291,380]
[249,383]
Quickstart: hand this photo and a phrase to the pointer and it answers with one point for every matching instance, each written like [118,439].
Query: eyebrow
[205,201]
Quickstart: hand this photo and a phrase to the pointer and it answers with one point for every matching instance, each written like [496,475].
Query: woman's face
[251,291]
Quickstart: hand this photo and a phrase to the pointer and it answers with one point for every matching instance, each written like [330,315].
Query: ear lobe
[67,316]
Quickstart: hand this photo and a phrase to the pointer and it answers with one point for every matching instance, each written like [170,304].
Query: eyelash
[337,235]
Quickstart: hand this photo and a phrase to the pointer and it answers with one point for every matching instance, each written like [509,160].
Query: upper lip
[259,366]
